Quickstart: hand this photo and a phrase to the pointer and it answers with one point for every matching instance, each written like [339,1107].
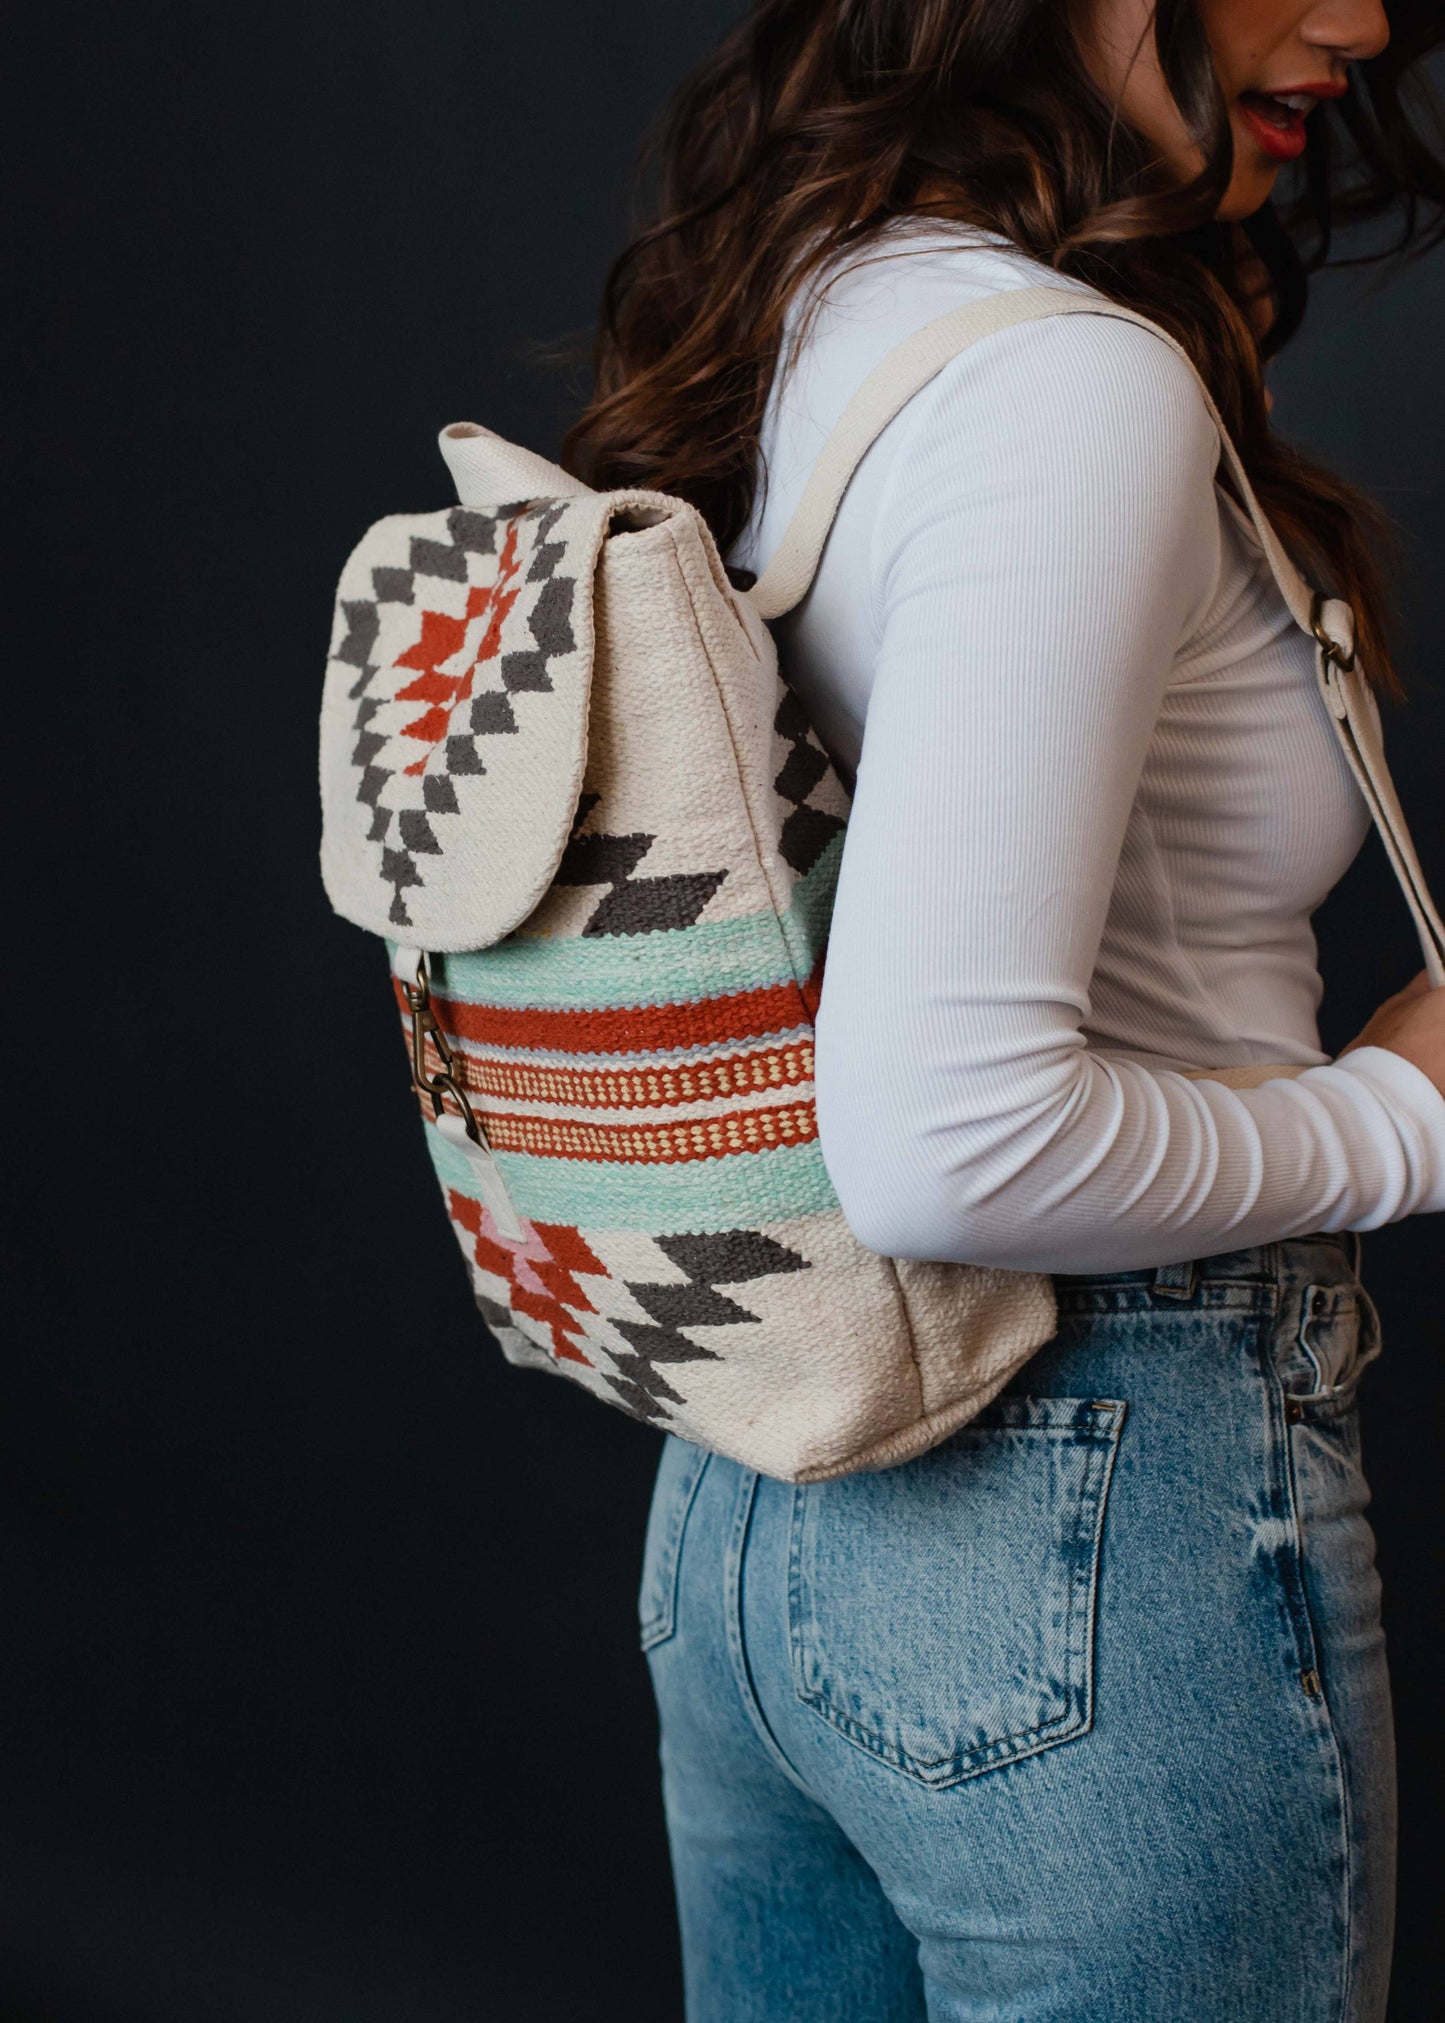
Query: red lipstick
[1276,119]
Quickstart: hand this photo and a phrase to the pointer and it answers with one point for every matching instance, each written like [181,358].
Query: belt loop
[1175,1281]
[1357,1250]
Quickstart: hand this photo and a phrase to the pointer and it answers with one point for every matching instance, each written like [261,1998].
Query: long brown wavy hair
[817,123]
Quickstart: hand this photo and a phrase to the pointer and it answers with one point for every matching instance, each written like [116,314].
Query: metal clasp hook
[1331,648]
[424,1021]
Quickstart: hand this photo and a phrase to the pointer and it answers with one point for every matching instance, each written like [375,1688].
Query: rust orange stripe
[634,1029]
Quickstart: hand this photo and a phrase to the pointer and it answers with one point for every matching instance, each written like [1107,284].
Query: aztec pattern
[448,630]
[632,905]
[807,829]
[639,1324]
[437,727]
[611,1120]
[556,760]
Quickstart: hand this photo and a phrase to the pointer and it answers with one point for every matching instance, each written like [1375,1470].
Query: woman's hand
[1411,1024]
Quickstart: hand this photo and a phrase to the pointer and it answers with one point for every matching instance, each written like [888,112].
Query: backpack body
[563,778]
[562,773]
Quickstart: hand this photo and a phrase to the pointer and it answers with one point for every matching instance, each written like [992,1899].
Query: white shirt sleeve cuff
[1418,1108]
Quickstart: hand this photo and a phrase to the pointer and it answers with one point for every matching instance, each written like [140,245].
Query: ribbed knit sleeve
[1044,543]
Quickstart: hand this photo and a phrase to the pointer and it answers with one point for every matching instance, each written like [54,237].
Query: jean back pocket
[941,1614]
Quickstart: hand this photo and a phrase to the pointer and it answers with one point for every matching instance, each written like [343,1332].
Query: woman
[1097,801]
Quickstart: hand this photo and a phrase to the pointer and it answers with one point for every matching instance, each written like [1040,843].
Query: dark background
[319,1696]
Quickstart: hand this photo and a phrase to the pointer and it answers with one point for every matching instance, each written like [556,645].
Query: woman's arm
[1047,538]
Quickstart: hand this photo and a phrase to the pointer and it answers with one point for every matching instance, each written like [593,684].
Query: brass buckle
[1329,647]
[424,1021]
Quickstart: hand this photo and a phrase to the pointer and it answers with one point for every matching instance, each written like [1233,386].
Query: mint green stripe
[596,973]
[805,924]
[602,972]
[736,1192]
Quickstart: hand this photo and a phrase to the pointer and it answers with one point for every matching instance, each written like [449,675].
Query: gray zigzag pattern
[631,905]
[725,1257]
[806,831]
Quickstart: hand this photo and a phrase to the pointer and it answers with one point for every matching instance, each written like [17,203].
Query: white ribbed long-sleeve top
[1097,800]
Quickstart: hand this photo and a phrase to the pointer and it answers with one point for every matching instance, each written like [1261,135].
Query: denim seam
[661,1625]
[737,1643]
[1078,1712]
[1279,1477]
[1324,1716]
[1110,1457]
[1297,1609]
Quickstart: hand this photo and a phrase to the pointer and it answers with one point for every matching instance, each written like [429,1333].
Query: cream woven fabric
[562,775]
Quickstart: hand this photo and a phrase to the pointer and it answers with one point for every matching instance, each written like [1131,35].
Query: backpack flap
[454,716]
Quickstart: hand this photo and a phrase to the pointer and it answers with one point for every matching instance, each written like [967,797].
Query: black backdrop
[318,1687]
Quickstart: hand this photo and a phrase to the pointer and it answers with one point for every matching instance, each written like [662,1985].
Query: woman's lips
[1277,123]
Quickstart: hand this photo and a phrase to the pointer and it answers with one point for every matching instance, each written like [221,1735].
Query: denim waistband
[1263,1264]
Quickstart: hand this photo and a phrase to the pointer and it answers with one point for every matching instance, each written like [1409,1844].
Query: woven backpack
[562,776]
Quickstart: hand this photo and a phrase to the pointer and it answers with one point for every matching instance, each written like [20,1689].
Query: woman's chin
[1248,190]
[1253,181]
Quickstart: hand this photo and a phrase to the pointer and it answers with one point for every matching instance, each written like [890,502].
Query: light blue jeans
[1081,1718]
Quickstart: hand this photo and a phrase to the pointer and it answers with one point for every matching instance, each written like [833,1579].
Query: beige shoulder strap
[919,359]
